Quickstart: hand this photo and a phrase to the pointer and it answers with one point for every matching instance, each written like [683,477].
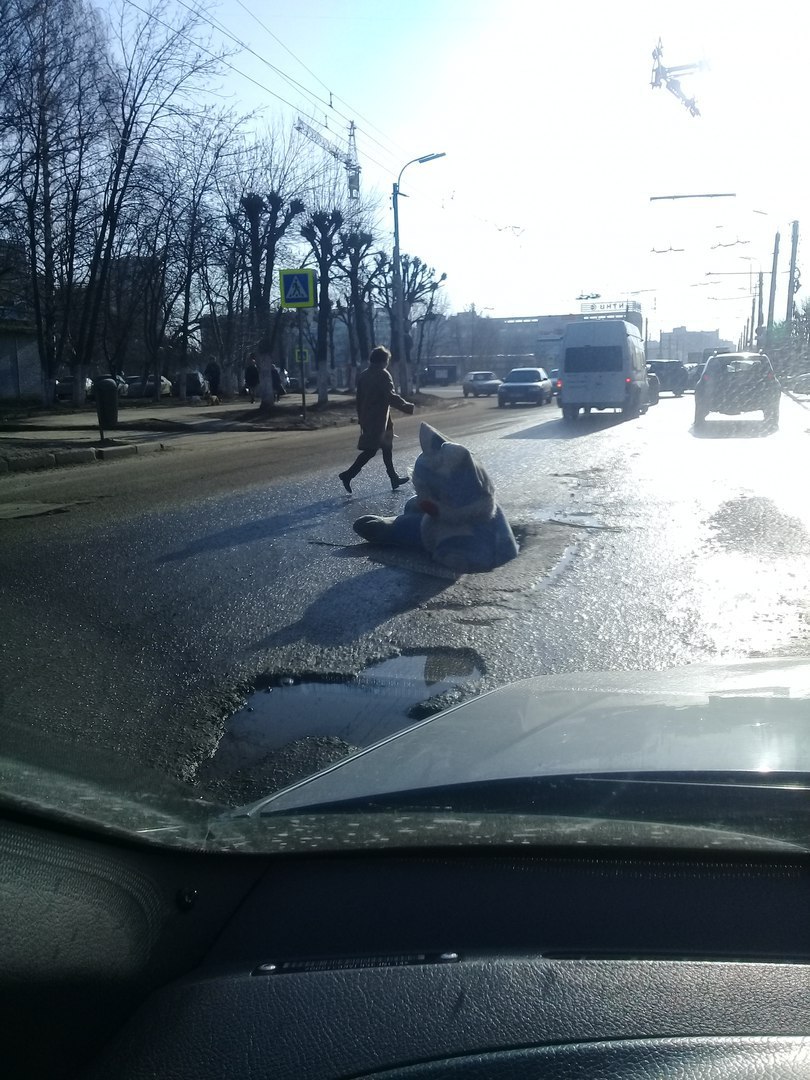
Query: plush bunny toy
[453,516]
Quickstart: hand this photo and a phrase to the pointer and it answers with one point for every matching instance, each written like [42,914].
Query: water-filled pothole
[359,710]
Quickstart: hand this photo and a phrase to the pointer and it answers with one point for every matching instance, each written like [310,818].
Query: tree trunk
[322,340]
[267,397]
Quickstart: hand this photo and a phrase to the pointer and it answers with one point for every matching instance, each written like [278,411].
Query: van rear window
[593,358]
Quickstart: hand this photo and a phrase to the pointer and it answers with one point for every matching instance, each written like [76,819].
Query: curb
[60,458]
[105,453]
[75,457]
[33,461]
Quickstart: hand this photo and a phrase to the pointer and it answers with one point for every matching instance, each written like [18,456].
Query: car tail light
[559,384]
[628,380]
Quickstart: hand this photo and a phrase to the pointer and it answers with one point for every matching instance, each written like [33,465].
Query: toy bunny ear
[430,439]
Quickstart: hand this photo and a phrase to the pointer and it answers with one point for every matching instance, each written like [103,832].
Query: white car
[480,384]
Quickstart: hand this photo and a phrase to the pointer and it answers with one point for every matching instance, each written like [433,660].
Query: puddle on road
[381,700]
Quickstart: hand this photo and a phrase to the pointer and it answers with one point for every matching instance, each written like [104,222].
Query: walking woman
[376,397]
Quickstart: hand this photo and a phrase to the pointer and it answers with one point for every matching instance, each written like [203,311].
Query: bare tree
[151,76]
[360,269]
[51,128]
[320,231]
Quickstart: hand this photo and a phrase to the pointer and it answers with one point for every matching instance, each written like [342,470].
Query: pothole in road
[356,711]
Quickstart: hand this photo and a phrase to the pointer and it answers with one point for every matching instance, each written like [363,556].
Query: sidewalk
[55,439]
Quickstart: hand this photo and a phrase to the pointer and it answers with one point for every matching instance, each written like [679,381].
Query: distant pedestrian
[278,384]
[252,378]
[375,398]
[213,375]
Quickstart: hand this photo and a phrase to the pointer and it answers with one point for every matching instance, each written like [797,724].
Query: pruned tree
[320,231]
[360,267]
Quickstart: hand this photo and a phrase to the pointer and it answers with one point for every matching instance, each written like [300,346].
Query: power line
[217,24]
[231,67]
[208,52]
[273,93]
[332,95]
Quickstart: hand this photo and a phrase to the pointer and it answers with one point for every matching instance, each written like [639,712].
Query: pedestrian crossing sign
[297,288]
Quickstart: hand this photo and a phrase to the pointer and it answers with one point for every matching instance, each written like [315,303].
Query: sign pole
[297,290]
[301,361]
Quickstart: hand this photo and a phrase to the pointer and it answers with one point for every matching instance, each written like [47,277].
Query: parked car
[64,388]
[733,383]
[480,383]
[137,387]
[672,376]
[196,384]
[554,375]
[121,382]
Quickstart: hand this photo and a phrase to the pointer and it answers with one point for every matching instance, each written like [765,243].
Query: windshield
[523,375]
[266,517]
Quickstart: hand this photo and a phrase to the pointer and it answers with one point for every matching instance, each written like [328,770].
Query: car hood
[750,717]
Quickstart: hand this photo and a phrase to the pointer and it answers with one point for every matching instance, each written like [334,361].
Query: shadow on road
[559,429]
[249,532]
[351,609]
[733,429]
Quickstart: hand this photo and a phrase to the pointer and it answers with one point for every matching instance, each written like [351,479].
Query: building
[682,344]
[480,343]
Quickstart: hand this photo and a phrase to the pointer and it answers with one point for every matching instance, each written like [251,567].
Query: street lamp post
[399,300]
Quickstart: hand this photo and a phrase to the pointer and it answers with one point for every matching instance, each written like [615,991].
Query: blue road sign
[297,288]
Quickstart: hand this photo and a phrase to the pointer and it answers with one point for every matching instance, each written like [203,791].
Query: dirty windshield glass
[273,509]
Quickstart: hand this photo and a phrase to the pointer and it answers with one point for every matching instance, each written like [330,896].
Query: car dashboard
[128,960]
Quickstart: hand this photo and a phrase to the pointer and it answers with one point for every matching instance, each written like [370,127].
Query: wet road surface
[644,546]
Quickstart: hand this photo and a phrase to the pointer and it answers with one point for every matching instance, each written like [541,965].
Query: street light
[399,314]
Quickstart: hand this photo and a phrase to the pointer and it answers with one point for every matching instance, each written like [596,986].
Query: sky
[555,140]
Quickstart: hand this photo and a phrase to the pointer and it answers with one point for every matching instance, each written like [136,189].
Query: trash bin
[106,391]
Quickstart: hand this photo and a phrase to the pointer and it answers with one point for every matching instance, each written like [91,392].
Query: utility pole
[772,297]
[398,305]
[753,320]
[398,298]
[794,244]
[760,325]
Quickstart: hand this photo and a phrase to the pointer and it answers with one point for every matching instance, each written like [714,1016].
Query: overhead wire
[230,66]
[298,59]
[515,230]
[209,52]
[217,24]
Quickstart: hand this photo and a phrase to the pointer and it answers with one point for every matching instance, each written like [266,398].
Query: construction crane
[669,77]
[347,158]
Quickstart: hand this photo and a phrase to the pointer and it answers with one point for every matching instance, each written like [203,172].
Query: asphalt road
[135,620]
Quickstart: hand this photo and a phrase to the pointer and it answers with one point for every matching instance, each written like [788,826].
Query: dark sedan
[672,376]
[525,385]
